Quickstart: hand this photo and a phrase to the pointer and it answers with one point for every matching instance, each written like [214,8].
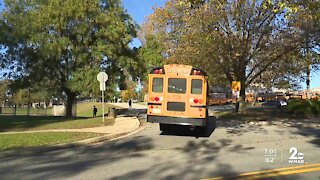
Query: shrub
[304,106]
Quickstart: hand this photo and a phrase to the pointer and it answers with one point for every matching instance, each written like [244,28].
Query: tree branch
[264,68]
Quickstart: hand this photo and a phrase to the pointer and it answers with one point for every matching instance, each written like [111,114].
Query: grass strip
[24,123]
[258,114]
[25,140]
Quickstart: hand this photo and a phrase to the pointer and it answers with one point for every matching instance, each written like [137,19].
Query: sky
[140,9]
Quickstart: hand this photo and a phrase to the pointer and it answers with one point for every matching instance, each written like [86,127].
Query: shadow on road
[62,163]
[199,158]
[197,132]
[310,132]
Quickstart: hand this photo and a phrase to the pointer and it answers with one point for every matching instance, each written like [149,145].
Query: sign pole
[102,77]
[102,105]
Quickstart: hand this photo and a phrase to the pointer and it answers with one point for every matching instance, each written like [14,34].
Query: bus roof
[178,69]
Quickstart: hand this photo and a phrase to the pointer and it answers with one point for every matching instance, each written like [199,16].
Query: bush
[304,106]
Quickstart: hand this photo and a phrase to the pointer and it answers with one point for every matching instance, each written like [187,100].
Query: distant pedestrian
[130,104]
[95,110]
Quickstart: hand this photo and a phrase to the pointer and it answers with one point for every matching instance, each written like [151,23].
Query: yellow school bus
[217,98]
[177,95]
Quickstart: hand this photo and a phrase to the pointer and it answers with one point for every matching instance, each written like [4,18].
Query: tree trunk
[71,97]
[240,104]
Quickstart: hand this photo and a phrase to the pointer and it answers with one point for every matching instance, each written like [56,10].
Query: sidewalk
[134,105]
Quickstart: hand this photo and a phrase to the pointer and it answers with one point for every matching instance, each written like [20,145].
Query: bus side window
[157,85]
[196,86]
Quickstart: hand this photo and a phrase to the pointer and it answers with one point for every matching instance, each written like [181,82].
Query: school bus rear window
[177,85]
[157,85]
[196,86]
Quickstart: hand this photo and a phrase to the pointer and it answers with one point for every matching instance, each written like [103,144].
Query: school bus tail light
[195,72]
[196,101]
[157,71]
[156,98]
[198,72]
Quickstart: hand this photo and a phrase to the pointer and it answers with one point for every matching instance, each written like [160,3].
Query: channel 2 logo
[296,157]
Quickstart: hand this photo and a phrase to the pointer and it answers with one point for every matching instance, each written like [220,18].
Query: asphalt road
[226,149]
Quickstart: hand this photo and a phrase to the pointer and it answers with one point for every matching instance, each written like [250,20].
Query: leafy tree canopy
[63,44]
[244,40]
[4,88]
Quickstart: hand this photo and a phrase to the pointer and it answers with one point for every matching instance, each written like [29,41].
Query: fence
[12,110]
[38,109]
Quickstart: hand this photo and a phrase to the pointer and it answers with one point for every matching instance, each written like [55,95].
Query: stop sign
[102,77]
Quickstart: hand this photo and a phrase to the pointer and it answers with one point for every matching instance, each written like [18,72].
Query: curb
[139,129]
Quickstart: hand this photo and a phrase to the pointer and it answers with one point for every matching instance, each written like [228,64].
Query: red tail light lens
[194,72]
[156,99]
[158,71]
[196,101]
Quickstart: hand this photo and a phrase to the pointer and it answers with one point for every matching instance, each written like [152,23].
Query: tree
[232,40]
[150,55]
[309,26]
[63,44]
[4,88]
[150,52]
[131,92]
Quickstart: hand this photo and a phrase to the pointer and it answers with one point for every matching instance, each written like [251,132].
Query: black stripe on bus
[199,106]
[155,104]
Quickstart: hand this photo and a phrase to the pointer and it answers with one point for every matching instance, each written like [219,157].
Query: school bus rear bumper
[177,120]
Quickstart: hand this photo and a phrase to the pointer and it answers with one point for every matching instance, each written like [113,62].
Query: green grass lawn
[86,109]
[83,110]
[24,123]
[257,114]
[21,122]
[24,140]
[84,120]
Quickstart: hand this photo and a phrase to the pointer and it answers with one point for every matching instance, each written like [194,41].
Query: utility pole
[309,63]
[309,60]
[28,112]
